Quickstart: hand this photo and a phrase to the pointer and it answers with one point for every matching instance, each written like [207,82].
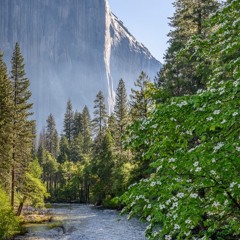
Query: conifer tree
[76,148]
[100,116]
[86,130]
[103,164]
[77,126]
[22,126]
[178,75]
[41,146]
[6,131]
[121,111]
[112,127]
[64,150]
[139,103]
[69,122]
[52,144]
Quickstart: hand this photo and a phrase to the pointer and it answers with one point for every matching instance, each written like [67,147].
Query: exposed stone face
[72,49]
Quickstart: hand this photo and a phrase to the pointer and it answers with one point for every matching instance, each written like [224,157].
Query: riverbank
[34,215]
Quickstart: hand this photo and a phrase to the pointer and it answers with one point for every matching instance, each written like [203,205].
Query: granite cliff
[72,49]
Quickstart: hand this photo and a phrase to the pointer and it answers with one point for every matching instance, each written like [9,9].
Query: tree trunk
[13,184]
[19,211]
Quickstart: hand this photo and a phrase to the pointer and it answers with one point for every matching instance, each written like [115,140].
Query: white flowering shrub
[194,148]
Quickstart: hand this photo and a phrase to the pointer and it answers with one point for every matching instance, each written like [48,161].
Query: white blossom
[213,160]
[133,203]
[175,216]
[176,226]
[195,164]
[223,121]
[235,84]
[218,146]
[183,103]
[216,204]
[238,149]
[168,201]
[216,112]
[158,168]
[226,202]
[209,118]
[162,206]
[154,126]
[188,221]
[218,102]
[149,205]
[168,237]
[198,169]
[189,132]
[180,195]
[175,204]
[235,114]
[233,184]
[153,184]
[148,218]
[171,160]
[193,195]
[213,172]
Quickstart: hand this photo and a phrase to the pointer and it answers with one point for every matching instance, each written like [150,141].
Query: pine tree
[86,130]
[103,164]
[41,147]
[139,103]
[112,127]
[77,126]
[64,154]
[52,143]
[178,75]
[121,111]
[22,126]
[100,116]
[76,148]
[69,122]
[6,131]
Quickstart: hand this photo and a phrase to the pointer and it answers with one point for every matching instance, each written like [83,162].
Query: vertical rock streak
[107,57]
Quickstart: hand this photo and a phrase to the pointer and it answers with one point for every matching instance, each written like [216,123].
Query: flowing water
[84,222]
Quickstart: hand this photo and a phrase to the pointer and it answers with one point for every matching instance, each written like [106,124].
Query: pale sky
[147,20]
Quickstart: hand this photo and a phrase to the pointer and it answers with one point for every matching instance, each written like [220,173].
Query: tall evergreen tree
[77,125]
[64,153]
[178,75]
[76,148]
[121,111]
[52,144]
[100,116]
[86,130]
[22,126]
[41,147]
[6,131]
[69,122]
[139,103]
[103,164]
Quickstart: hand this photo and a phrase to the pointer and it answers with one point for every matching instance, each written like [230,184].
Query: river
[85,222]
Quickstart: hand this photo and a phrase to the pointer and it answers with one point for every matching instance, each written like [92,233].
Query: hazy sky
[147,20]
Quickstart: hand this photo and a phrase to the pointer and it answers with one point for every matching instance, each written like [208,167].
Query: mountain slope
[72,49]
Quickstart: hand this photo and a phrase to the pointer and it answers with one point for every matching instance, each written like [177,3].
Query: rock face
[72,49]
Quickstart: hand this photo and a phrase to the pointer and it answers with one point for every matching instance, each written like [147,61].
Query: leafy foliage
[9,223]
[193,144]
